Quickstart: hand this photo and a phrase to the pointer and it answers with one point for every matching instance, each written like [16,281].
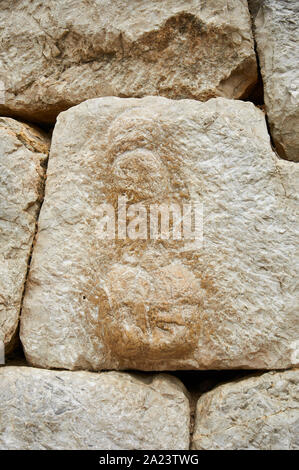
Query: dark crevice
[35,120]
[271,138]
[15,355]
[256,94]
[44,164]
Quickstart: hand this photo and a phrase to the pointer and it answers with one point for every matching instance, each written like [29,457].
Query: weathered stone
[59,53]
[42,409]
[23,151]
[259,413]
[277,37]
[164,304]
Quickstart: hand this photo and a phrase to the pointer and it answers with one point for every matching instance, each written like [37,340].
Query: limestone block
[260,413]
[23,153]
[163,303]
[42,409]
[277,37]
[58,53]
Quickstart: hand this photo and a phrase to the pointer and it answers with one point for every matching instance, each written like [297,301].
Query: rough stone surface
[165,304]
[23,151]
[58,53]
[42,409]
[259,413]
[277,37]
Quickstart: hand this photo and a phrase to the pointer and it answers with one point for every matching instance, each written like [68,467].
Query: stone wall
[149,223]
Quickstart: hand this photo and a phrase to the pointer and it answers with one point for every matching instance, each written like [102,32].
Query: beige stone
[165,304]
[23,153]
[277,37]
[259,413]
[58,53]
[41,409]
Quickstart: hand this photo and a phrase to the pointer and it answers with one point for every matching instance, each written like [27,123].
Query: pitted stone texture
[260,413]
[165,304]
[42,409]
[58,53]
[23,151]
[277,37]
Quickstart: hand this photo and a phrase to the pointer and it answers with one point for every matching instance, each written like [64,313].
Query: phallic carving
[134,148]
[150,315]
[145,312]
